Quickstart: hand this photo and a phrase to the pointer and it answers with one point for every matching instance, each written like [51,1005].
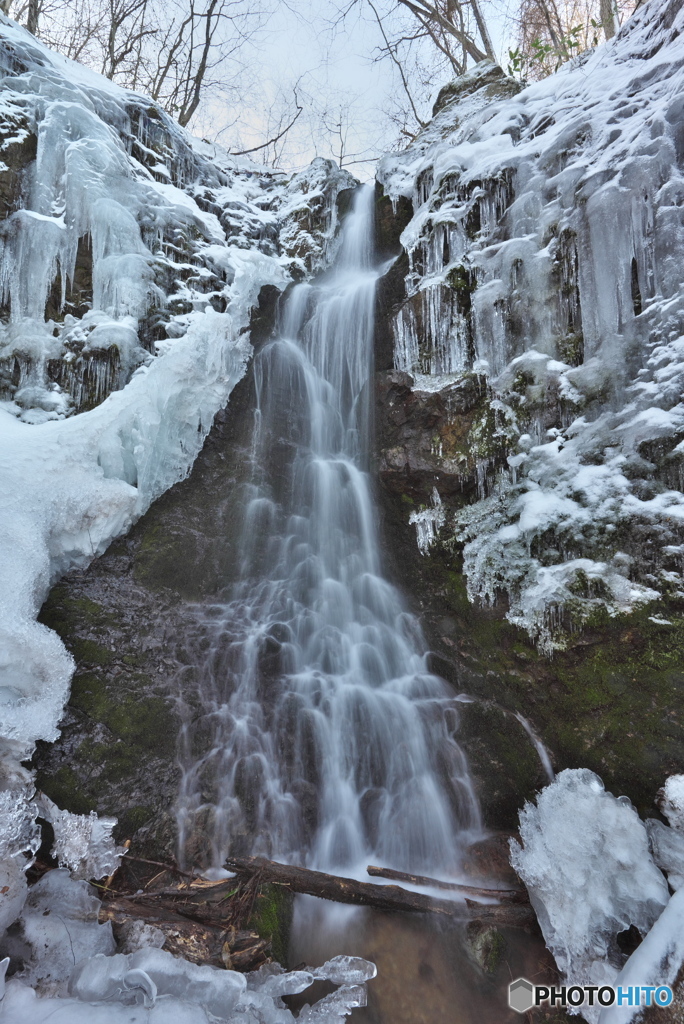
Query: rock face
[528,405]
[540,260]
[128,622]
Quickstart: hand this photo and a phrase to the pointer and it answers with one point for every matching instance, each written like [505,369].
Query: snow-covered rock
[546,251]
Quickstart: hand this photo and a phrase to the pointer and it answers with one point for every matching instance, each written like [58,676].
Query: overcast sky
[337,74]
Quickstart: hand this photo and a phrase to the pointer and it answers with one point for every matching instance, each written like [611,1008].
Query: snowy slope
[168,242]
[70,483]
[547,252]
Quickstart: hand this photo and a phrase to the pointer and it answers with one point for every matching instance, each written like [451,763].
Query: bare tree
[172,50]
[551,31]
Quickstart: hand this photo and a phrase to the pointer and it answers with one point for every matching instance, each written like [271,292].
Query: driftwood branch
[368,894]
[504,895]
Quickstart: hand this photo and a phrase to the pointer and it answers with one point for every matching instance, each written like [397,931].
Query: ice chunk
[155,973]
[286,984]
[670,799]
[60,921]
[19,835]
[22,1006]
[334,1007]
[83,842]
[589,872]
[19,832]
[667,847]
[657,961]
[135,935]
[346,970]
[13,891]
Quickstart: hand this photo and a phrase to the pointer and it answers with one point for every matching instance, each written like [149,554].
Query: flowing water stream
[323,738]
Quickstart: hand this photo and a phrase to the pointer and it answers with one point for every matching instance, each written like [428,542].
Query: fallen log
[504,895]
[367,894]
[197,940]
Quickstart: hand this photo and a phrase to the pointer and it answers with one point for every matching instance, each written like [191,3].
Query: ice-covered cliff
[131,256]
[131,259]
[541,332]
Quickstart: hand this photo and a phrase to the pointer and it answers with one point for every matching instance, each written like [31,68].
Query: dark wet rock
[438,438]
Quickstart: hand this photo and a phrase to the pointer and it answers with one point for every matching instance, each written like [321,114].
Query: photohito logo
[523,995]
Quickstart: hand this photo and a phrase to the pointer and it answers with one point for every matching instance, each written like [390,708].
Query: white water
[324,737]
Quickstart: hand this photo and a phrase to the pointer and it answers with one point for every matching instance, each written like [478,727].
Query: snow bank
[71,483]
[585,860]
[546,250]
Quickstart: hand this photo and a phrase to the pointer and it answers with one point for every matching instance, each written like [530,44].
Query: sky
[345,90]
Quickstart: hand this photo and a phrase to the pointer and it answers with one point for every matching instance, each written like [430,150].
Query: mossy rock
[272,919]
[117,751]
[613,701]
[487,947]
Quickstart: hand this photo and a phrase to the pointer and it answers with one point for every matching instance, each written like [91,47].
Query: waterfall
[316,732]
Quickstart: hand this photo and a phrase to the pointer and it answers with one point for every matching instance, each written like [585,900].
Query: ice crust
[546,250]
[151,986]
[586,862]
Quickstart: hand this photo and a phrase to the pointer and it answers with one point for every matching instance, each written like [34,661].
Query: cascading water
[325,739]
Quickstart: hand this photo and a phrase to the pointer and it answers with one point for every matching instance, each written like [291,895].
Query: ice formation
[586,862]
[428,522]
[59,921]
[83,842]
[546,250]
[667,847]
[671,801]
[151,986]
[131,257]
[656,961]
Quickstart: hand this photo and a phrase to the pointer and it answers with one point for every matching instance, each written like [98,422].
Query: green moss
[132,819]
[488,947]
[272,919]
[65,614]
[407,500]
[90,652]
[66,789]
[140,718]
[118,724]
[571,349]
[462,281]
[613,701]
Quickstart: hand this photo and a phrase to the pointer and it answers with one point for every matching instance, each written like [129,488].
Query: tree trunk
[608,18]
[382,897]
[32,16]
